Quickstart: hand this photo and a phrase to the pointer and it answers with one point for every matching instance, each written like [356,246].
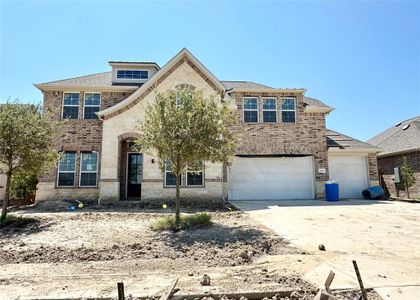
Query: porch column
[109,185]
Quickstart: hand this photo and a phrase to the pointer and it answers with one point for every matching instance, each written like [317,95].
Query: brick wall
[78,134]
[386,167]
[373,168]
[306,136]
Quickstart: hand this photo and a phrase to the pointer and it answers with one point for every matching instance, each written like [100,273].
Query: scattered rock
[321,247]
[205,280]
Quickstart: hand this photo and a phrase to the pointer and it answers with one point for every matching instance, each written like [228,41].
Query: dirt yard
[85,253]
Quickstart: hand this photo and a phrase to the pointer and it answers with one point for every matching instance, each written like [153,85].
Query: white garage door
[271,178]
[351,173]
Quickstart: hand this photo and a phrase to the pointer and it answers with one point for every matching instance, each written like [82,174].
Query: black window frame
[129,74]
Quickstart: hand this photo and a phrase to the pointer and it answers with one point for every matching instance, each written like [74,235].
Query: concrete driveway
[383,236]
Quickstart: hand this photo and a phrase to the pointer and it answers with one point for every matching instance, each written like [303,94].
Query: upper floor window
[288,110]
[92,105]
[71,106]
[250,105]
[88,168]
[132,74]
[269,106]
[67,169]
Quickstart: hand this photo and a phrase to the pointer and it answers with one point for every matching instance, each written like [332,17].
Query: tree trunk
[6,199]
[177,201]
[406,191]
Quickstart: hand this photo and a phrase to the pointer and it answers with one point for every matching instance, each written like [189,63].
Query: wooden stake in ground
[359,278]
[169,291]
[329,280]
[120,287]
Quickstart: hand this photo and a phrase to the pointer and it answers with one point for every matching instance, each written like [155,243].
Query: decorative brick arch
[185,86]
[127,135]
[122,150]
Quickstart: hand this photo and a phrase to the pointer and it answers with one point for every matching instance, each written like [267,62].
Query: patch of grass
[197,220]
[17,221]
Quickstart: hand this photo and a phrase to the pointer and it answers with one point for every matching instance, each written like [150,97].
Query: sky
[362,58]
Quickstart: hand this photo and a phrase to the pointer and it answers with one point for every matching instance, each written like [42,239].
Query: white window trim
[247,109]
[74,172]
[194,171]
[132,79]
[264,109]
[281,110]
[62,105]
[84,103]
[96,171]
[164,179]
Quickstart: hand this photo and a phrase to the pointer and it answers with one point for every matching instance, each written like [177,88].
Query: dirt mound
[229,241]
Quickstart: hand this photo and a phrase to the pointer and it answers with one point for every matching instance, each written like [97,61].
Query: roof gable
[183,56]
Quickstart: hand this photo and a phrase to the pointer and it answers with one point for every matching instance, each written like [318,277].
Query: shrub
[197,220]
[17,221]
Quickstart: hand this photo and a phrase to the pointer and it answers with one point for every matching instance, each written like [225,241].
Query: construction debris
[206,280]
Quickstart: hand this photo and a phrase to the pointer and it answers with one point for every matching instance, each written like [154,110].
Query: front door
[134,175]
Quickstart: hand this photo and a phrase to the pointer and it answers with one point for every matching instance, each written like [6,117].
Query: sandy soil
[84,254]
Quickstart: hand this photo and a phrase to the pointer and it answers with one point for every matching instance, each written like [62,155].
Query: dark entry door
[134,175]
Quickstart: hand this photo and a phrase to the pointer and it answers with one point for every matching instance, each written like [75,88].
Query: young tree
[185,128]
[407,173]
[25,143]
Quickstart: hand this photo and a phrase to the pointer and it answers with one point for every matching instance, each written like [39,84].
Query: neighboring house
[397,142]
[285,151]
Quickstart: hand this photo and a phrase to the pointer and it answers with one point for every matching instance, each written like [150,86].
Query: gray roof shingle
[404,136]
[339,140]
[94,80]
[104,80]
[238,84]
[314,102]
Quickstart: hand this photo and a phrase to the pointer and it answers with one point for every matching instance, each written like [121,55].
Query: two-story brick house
[285,150]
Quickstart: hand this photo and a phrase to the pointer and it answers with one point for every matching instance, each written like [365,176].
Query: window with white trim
[195,176]
[92,105]
[67,169]
[288,110]
[170,178]
[250,107]
[269,108]
[132,74]
[88,168]
[70,105]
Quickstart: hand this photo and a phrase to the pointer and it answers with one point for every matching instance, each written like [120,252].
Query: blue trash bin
[331,191]
[374,192]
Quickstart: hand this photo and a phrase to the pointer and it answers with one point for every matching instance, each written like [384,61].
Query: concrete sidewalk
[383,236]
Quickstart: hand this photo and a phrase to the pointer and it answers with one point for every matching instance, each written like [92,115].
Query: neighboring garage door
[271,178]
[351,173]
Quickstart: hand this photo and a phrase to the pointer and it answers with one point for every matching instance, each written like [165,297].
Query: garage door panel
[271,178]
[351,174]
